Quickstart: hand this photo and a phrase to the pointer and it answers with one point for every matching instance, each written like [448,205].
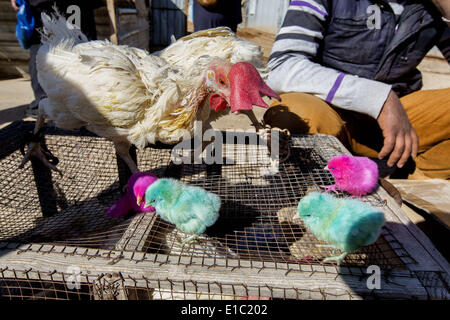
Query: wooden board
[427,195]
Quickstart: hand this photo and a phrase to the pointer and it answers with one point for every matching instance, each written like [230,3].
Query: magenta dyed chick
[355,175]
[133,199]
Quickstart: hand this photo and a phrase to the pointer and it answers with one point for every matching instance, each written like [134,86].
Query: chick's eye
[222,82]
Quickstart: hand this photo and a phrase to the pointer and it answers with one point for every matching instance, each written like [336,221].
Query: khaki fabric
[428,111]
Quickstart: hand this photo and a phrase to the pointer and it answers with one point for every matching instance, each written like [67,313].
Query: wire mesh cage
[56,241]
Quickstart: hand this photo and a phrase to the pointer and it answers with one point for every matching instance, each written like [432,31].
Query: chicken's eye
[221,82]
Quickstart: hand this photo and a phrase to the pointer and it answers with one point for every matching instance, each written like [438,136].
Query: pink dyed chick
[355,175]
[133,199]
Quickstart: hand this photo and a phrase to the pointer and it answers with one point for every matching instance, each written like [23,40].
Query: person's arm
[400,138]
[293,70]
[14,5]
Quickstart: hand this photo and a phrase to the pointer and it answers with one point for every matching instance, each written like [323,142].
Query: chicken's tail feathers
[58,31]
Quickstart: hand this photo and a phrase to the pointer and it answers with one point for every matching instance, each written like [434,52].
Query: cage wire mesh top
[259,200]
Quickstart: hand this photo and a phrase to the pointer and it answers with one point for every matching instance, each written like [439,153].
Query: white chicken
[130,97]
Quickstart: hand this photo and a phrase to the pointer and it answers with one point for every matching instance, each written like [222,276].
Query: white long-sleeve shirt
[293,68]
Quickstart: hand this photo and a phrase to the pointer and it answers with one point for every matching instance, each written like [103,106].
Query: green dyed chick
[346,224]
[192,209]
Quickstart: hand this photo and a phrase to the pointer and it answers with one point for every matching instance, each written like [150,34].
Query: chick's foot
[189,239]
[330,188]
[337,258]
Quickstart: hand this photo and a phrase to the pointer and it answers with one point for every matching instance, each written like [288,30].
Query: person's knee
[303,113]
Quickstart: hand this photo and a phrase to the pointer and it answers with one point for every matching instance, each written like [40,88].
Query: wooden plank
[142,8]
[13,51]
[137,232]
[101,16]
[113,19]
[427,195]
[8,32]
[393,284]
[415,242]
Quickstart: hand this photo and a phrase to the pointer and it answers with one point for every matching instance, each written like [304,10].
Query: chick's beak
[146,205]
[138,200]
[247,86]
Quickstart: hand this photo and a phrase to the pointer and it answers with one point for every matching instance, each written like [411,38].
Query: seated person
[348,69]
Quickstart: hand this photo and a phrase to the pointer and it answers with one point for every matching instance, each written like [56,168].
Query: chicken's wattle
[217,102]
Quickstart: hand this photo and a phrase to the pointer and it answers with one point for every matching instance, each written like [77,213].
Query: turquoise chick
[191,209]
[345,224]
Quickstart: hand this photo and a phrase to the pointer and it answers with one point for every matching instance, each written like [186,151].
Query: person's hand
[400,138]
[14,5]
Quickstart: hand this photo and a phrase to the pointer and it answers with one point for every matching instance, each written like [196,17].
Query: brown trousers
[428,111]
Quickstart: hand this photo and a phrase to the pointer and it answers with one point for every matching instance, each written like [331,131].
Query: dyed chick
[133,197]
[345,224]
[191,209]
[355,175]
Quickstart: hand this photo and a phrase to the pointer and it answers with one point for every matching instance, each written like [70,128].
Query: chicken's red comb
[246,88]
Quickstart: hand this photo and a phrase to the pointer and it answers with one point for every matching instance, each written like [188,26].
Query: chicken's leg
[123,150]
[266,132]
[35,149]
[251,115]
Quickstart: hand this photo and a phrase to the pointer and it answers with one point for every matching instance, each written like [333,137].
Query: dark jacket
[389,54]
[86,8]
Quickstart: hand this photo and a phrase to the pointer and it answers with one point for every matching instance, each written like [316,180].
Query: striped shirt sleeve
[293,67]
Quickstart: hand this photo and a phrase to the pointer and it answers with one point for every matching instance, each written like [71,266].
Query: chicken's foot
[37,150]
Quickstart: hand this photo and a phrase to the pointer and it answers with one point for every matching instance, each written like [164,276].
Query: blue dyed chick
[192,209]
[345,224]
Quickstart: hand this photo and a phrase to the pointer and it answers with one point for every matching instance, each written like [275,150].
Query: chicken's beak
[326,168]
[138,200]
[247,86]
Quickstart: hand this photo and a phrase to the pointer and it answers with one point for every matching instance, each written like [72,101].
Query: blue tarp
[25,24]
